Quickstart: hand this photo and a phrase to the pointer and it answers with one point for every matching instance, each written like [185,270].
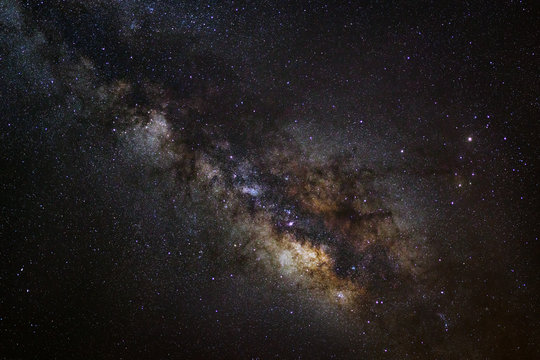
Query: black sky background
[109,250]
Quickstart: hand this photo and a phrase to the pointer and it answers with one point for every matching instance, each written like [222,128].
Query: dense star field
[269,180]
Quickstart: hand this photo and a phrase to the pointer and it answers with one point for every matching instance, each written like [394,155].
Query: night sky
[269,180]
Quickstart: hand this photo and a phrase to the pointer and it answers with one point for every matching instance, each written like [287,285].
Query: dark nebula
[269,180]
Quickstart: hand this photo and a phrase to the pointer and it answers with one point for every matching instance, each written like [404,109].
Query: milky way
[265,180]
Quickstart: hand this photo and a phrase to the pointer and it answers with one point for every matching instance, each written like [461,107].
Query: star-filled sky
[269,180]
